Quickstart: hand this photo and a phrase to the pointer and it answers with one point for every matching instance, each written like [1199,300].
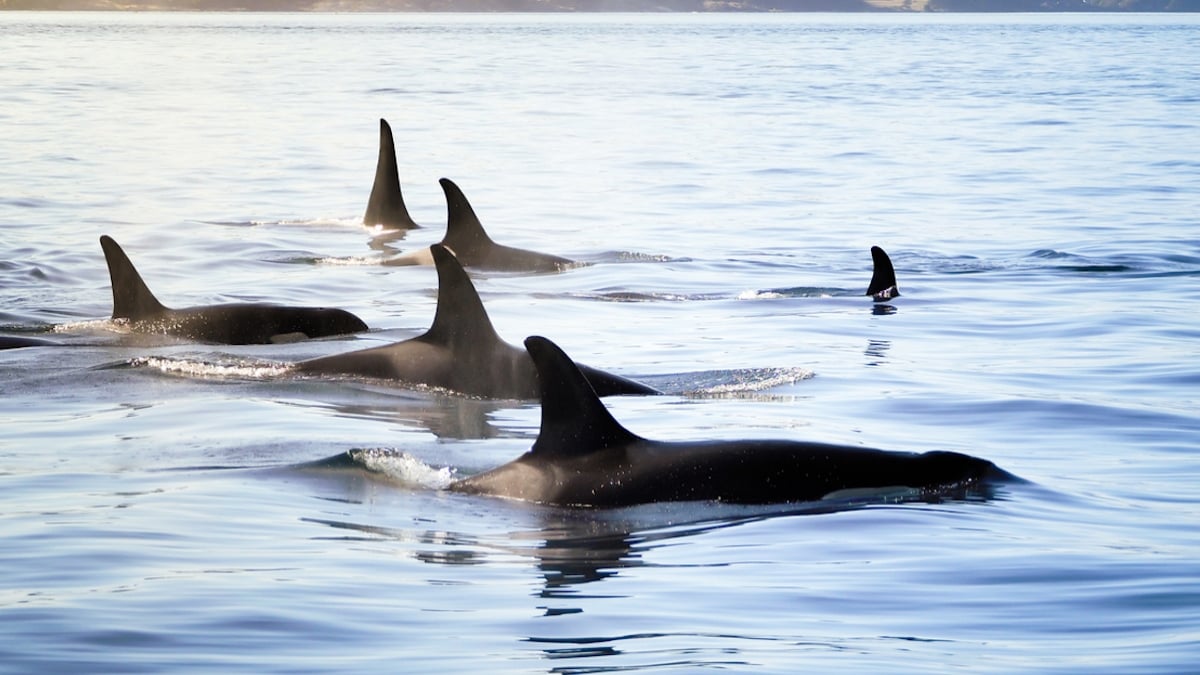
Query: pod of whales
[236,323]
[464,232]
[584,457]
[461,351]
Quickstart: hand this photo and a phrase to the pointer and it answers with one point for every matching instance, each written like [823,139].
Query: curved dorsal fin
[132,299]
[460,316]
[574,421]
[883,281]
[464,232]
[386,204]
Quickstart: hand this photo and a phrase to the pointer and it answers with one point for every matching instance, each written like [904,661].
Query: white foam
[191,368]
[403,467]
[92,325]
[758,295]
[312,222]
[761,380]
[350,261]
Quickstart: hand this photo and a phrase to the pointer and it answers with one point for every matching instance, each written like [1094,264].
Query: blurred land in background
[612,5]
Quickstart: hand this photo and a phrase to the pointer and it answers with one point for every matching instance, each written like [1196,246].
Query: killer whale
[584,457]
[473,247]
[883,278]
[236,323]
[385,206]
[461,351]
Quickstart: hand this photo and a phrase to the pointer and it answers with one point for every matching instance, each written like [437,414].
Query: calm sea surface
[1035,178]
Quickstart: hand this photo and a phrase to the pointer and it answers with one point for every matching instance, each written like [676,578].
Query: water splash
[248,370]
[91,326]
[402,467]
[757,379]
[727,383]
[349,261]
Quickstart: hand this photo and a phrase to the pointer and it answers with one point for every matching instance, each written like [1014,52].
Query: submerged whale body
[385,206]
[236,323]
[461,351]
[584,457]
[473,247]
[17,342]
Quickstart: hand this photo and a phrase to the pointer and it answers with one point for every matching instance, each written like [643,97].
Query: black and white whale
[883,279]
[472,245]
[235,323]
[461,351]
[584,457]
[385,207]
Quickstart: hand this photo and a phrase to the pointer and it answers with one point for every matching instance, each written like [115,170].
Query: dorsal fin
[132,299]
[574,421]
[386,204]
[460,317]
[883,281]
[464,233]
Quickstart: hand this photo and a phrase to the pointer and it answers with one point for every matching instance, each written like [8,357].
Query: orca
[461,351]
[385,206]
[584,457]
[235,324]
[473,247]
[883,279]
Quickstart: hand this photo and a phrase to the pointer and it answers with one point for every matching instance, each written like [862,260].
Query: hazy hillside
[465,5]
[616,5]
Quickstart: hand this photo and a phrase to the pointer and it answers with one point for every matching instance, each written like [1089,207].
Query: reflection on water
[571,547]
[876,352]
[586,563]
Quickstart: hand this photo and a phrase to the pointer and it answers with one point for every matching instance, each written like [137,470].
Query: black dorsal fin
[464,233]
[132,299]
[460,317]
[883,281]
[386,205]
[574,421]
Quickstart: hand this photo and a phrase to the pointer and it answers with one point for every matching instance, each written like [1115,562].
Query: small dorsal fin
[883,281]
[132,299]
[464,233]
[574,421]
[460,316]
[386,204]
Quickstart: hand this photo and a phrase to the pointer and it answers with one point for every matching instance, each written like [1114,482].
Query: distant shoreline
[607,6]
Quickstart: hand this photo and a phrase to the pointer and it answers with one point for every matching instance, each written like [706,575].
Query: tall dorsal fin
[464,232]
[386,204]
[883,281]
[574,421]
[132,299]
[460,316]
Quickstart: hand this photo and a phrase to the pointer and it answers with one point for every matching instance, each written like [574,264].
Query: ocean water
[169,506]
